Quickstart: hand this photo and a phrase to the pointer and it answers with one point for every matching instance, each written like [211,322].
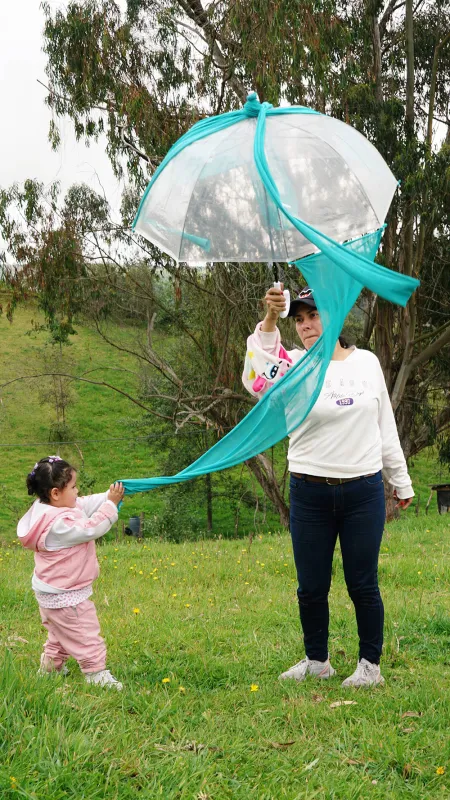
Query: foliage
[48,259]
[143,76]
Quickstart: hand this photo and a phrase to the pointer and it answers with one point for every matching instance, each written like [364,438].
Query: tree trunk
[376,41]
[209,520]
[261,468]
[391,511]
[383,338]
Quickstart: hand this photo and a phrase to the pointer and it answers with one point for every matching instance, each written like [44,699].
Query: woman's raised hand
[116,493]
[275,302]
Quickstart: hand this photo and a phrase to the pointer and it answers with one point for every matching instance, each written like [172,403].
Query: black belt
[330,481]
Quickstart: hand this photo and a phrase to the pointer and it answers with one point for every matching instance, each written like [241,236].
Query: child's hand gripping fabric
[116,493]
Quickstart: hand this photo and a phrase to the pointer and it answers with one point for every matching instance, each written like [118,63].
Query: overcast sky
[25,149]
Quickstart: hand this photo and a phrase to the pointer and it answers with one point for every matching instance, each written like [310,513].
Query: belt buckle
[327,480]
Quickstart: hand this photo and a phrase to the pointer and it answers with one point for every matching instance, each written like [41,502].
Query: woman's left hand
[405,503]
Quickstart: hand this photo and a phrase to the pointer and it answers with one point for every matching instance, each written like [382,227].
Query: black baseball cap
[305,297]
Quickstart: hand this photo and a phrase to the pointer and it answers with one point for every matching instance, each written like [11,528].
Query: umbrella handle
[287,297]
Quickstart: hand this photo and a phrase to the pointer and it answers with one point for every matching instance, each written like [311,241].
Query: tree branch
[433,80]
[86,380]
[196,12]
[431,350]
[408,367]
[389,11]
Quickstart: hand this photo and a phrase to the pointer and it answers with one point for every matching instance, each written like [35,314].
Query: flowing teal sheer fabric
[337,274]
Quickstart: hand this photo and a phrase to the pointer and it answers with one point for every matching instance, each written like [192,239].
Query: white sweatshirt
[351,429]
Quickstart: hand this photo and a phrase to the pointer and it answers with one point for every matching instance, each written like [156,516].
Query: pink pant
[74,632]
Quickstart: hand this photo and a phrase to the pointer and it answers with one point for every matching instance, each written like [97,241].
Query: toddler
[62,528]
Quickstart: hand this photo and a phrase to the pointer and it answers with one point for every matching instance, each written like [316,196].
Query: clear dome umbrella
[209,202]
[275,184]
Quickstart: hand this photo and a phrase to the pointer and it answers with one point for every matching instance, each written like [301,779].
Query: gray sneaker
[319,669]
[103,678]
[365,674]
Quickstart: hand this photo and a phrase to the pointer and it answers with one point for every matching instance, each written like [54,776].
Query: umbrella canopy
[269,184]
[208,202]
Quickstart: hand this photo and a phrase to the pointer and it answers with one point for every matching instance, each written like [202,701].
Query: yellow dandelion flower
[195,566]
[136,611]
[440,770]
[174,595]
[419,572]
[254,687]
[182,689]
[165,680]
[187,605]
[246,583]
[140,572]
[172,563]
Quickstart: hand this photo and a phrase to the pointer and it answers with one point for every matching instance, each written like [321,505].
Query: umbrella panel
[209,203]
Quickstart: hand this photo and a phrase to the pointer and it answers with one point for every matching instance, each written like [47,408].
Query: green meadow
[199,631]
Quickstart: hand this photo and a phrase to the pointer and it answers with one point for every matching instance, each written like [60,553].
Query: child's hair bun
[47,474]
[31,481]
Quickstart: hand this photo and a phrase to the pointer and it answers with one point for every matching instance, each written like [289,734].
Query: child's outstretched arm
[90,503]
[69,530]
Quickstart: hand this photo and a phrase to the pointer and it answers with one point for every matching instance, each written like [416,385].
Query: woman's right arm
[266,359]
[275,303]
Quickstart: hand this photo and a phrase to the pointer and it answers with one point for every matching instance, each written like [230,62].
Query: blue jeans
[354,511]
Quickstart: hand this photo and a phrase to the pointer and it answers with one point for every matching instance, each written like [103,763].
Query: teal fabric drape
[337,274]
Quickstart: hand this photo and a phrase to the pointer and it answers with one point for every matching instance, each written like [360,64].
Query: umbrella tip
[252,106]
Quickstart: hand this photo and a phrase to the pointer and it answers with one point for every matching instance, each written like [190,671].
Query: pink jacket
[63,540]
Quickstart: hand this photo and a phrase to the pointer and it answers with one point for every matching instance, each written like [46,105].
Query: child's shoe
[103,678]
[48,667]
[319,669]
[365,674]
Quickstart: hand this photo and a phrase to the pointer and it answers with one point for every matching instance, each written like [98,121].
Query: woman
[336,487]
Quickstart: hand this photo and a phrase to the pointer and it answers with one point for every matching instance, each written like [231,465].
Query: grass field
[198,634]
